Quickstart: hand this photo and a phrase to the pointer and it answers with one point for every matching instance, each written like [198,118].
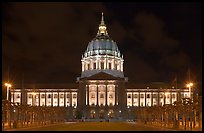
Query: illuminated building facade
[102,90]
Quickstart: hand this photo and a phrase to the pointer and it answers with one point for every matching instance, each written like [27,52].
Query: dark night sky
[45,41]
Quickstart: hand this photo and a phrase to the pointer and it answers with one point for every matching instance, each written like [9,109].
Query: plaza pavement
[95,126]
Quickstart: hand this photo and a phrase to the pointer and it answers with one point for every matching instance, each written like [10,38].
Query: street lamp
[189,86]
[7,89]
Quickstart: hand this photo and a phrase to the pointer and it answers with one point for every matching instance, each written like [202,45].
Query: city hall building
[102,91]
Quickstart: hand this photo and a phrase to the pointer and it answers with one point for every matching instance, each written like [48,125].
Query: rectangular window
[129,96]
[18,96]
[173,96]
[68,96]
[30,96]
[148,95]
[141,95]
[74,95]
[49,95]
[55,96]
[88,66]
[135,95]
[154,95]
[101,96]
[110,96]
[43,96]
[61,95]
[102,65]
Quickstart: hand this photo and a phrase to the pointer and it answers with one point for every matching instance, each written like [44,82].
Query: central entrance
[101,114]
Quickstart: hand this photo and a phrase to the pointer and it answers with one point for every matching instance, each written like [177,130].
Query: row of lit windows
[103,52]
[49,96]
[148,96]
[101,96]
[103,66]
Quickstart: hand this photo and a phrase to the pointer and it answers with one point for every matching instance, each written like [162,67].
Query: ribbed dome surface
[101,45]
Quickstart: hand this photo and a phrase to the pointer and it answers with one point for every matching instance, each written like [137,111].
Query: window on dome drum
[102,65]
[67,95]
[115,66]
[109,65]
[135,95]
[148,95]
[141,95]
[88,66]
[173,95]
[49,96]
[94,66]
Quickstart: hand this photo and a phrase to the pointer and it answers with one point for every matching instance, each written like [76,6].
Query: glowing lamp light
[8,85]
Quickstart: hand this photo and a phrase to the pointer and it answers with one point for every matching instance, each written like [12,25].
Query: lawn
[94,126]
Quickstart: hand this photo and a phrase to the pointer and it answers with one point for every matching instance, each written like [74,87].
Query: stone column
[39,99]
[97,94]
[121,66]
[65,99]
[105,63]
[51,99]
[139,99]
[45,99]
[87,95]
[58,99]
[82,66]
[132,99]
[116,94]
[106,95]
[145,98]
[152,99]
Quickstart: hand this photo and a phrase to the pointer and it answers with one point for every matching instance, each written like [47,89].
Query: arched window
[94,65]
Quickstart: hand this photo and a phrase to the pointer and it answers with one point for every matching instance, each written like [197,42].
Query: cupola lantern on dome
[102,27]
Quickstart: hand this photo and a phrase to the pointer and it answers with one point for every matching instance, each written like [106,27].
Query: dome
[102,44]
